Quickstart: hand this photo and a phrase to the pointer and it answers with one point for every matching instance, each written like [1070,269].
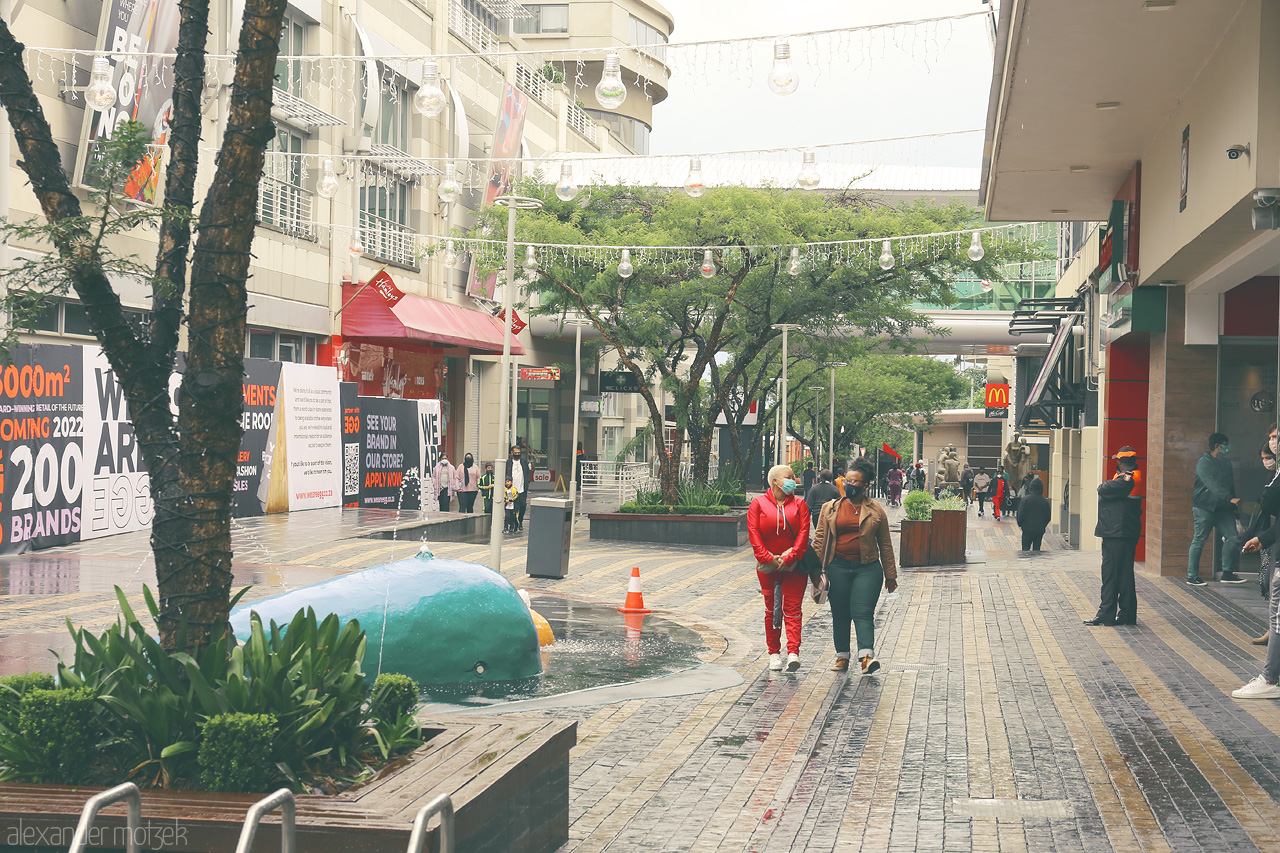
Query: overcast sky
[911,81]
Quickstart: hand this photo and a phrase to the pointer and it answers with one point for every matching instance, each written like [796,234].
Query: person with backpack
[966,484]
[1033,515]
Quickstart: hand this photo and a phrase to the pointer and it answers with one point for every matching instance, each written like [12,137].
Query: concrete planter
[728,531]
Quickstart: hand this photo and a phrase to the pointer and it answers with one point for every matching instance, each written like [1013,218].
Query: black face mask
[853,492]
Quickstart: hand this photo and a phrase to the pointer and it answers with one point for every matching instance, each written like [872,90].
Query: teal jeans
[854,592]
[1206,522]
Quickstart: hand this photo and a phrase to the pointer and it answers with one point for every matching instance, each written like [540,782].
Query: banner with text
[380,451]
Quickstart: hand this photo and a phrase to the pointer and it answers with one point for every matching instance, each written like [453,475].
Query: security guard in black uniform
[1119,526]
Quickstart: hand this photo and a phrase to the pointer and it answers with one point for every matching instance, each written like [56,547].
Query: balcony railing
[583,123]
[472,30]
[285,206]
[533,83]
[387,240]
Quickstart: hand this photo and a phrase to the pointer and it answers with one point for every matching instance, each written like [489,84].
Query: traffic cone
[635,600]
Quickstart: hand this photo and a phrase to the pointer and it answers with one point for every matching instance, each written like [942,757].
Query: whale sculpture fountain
[438,621]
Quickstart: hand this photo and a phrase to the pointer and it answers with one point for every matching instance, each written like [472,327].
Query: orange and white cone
[635,600]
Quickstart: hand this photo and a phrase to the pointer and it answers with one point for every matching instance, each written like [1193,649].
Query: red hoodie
[773,528]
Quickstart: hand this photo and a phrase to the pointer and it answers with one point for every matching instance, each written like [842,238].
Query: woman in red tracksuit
[778,528]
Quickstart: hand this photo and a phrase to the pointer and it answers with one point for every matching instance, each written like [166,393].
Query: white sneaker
[1259,688]
[775,663]
[793,662]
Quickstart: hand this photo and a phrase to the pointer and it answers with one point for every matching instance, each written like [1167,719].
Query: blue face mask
[789,486]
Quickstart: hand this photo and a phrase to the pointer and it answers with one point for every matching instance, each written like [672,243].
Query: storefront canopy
[418,318]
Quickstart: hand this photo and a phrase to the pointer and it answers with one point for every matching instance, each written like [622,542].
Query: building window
[64,317]
[610,405]
[282,346]
[293,42]
[282,201]
[481,13]
[612,443]
[646,35]
[384,218]
[545,18]
[631,132]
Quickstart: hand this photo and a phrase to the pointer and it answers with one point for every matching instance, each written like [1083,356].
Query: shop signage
[535,374]
[517,325]
[999,349]
[379,451]
[386,288]
[543,475]
[589,407]
[302,463]
[619,382]
[996,400]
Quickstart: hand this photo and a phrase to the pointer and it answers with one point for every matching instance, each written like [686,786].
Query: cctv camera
[1235,152]
[1266,197]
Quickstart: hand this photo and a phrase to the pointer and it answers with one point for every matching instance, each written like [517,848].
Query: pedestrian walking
[486,485]
[466,482]
[895,486]
[1033,516]
[778,529]
[1213,507]
[1268,511]
[1119,526]
[918,473]
[852,543]
[442,475]
[999,490]
[509,496]
[808,478]
[1264,685]
[966,484]
[824,490]
[981,485]
[521,477]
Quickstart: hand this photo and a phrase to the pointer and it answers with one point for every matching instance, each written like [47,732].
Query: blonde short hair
[779,472]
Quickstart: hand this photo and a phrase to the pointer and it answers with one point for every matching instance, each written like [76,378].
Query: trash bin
[550,529]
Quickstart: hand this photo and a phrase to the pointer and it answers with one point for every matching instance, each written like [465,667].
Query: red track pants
[794,585]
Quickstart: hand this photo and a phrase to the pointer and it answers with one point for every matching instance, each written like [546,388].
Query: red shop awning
[418,318]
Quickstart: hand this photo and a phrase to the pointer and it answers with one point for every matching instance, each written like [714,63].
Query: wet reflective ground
[594,647]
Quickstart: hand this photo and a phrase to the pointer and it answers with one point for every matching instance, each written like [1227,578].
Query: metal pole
[6,12]
[831,434]
[577,408]
[816,434]
[500,464]
[784,389]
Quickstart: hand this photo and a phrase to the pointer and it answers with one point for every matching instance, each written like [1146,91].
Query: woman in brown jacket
[852,542]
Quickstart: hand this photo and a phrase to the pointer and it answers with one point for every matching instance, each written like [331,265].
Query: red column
[1125,411]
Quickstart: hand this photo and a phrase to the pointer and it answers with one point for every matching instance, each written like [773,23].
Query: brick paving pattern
[998,723]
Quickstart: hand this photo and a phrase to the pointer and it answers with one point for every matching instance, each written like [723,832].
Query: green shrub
[644,498]
[20,684]
[235,753]
[394,695]
[645,509]
[62,726]
[947,502]
[919,506]
[700,510]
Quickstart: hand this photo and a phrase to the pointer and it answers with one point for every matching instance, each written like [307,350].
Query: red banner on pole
[891,451]
[386,288]
[517,325]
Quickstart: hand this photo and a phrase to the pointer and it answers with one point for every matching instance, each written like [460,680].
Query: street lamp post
[815,389]
[577,324]
[785,328]
[512,203]
[831,435]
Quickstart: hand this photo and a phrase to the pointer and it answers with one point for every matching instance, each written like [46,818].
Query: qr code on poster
[350,470]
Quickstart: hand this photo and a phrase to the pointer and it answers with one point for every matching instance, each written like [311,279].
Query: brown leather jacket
[873,536]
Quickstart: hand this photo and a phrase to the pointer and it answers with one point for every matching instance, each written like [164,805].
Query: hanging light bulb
[793,265]
[566,189]
[530,262]
[976,252]
[625,268]
[708,265]
[429,101]
[450,254]
[357,246]
[327,186]
[809,175]
[782,77]
[886,256]
[448,191]
[611,91]
[693,184]
[100,95]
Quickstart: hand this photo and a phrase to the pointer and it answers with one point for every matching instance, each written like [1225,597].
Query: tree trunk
[195,586]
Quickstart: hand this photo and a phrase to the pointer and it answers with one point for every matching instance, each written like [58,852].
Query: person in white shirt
[520,480]
[443,477]
[981,482]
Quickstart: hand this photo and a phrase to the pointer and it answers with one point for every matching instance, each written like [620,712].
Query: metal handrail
[127,791]
[443,806]
[282,799]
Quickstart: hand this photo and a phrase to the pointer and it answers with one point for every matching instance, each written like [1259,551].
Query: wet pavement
[998,723]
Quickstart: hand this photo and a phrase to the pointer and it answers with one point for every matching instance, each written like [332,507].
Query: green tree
[704,337]
[191,457]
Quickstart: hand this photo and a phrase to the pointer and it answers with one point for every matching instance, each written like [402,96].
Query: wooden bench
[508,778]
